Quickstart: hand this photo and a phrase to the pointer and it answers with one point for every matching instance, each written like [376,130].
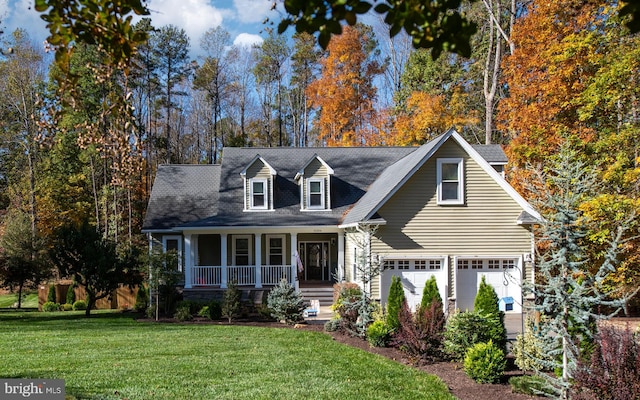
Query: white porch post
[258,258]
[188,261]
[341,263]
[294,264]
[223,260]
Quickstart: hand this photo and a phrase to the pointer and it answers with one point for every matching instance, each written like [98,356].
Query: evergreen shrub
[430,293]
[463,330]
[285,303]
[71,294]
[51,295]
[378,334]
[532,385]
[527,349]
[231,302]
[183,313]
[67,307]
[486,301]
[142,298]
[215,310]
[204,312]
[50,306]
[79,305]
[485,363]
[394,303]
[332,325]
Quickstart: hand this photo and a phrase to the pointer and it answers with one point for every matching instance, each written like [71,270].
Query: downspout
[150,255]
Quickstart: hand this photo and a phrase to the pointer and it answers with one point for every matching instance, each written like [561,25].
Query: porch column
[187,261]
[341,256]
[294,264]
[258,247]
[223,260]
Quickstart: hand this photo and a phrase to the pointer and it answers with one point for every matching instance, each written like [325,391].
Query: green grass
[111,356]
[29,300]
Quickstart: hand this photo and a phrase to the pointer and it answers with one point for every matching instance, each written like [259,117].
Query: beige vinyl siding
[260,171]
[485,225]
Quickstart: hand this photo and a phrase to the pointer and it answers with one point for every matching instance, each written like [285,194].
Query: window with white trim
[450,180]
[258,194]
[242,254]
[315,194]
[276,250]
[173,243]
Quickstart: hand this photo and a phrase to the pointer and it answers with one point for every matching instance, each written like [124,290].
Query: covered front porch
[257,259]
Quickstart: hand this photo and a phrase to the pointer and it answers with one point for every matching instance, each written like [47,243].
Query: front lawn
[111,356]
[29,300]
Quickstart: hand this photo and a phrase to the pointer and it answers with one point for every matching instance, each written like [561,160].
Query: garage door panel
[413,281]
[501,274]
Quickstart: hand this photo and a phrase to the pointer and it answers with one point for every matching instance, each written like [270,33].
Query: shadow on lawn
[34,316]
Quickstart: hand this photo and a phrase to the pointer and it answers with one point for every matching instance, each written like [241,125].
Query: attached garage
[414,273]
[504,274]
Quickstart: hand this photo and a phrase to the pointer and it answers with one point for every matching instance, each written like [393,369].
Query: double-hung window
[315,194]
[259,194]
[450,176]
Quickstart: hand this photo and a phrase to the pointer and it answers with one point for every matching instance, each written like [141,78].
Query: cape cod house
[315,216]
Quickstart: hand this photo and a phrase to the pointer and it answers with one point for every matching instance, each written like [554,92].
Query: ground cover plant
[197,361]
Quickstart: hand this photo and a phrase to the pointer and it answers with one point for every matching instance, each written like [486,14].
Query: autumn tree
[344,94]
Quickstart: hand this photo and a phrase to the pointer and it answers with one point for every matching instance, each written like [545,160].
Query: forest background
[539,74]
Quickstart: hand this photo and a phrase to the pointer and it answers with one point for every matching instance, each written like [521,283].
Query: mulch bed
[460,385]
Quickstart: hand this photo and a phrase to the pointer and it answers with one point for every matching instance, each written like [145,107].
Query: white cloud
[194,16]
[252,11]
[247,40]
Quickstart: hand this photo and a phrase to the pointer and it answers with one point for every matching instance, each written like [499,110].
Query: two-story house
[316,216]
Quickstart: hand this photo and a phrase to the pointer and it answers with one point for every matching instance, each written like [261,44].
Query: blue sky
[243,19]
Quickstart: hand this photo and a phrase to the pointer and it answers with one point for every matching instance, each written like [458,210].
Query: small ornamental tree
[569,284]
[285,303]
[71,294]
[430,293]
[231,301]
[51,295]
[394,303]
[142,298]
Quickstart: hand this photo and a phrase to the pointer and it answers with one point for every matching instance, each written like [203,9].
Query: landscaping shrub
[231,302]
[530,357]
[192,305]
[486,301]
[142,299]
[378,334]
[421,336]
[50,306]
[285,303]
[613,372]
[394,303]
[430,293]
[204,312]
[485,363]
[463,330]
[531,385]
[332,325]
[345,289]
[71,294]
[51,295]
[79,305]
[183,313]
[346,305]
[67,307]
[215,310]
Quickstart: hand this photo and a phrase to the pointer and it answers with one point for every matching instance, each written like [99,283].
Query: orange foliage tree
[344,95]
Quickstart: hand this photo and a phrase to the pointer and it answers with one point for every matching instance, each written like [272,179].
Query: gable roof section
[396,175]
[182,194]
[272,171]
[315,157]
[492,153]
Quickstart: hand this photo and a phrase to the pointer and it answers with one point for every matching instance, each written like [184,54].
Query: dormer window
[259,194]
[258,178]
[315,183]
[315,193]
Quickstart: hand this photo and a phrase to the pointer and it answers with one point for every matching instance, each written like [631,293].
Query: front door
[315,261]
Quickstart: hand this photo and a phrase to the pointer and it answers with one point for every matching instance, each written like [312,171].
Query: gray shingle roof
[493,153]
[212,195]
[182,194]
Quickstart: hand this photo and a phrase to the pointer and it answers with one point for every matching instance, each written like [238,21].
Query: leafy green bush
[527,349]
[285,303]
[51,295]
[378,334]
[463,330]
[50,306]
[204,312]
[485,363]
[183,313]
[394,303]
[231,302]
[192,305]
[531,385]
[71,294]
[67,307]
[79,305]
[142,298]
[215,310]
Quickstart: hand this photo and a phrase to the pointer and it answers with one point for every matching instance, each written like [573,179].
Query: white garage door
[503,274]
[414,273]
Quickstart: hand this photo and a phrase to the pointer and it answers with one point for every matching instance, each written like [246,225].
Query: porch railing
[243,275]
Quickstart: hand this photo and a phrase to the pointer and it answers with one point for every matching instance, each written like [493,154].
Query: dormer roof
[301,173]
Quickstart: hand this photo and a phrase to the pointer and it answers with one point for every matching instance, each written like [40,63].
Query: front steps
[322,293]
